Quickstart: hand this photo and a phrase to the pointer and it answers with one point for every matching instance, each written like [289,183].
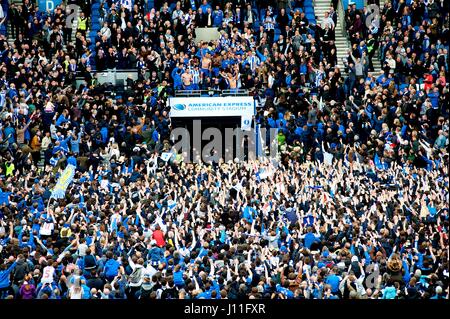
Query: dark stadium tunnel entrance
[222,124]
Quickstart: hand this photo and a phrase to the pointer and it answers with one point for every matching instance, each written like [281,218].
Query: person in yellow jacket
[82,24]
[9,169]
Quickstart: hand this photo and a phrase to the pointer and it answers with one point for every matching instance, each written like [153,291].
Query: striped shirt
[225,43]
[195,76]
[253,61]
[268,23]
[228,20]
[319,76]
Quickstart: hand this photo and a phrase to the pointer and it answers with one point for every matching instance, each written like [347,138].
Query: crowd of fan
[372,225]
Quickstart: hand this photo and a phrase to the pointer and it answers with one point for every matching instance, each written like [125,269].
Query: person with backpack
[146,287]
[90,263]
[171,292]
[22,268]
[136,277]
[155,253]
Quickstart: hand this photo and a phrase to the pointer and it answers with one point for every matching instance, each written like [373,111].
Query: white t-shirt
[74,294]
[47,275]
[82,249]
[46,229]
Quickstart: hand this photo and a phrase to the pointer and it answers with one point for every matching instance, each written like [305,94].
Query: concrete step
[341,42]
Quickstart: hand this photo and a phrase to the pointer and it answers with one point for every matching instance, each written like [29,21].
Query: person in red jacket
[428,81]
[158,236]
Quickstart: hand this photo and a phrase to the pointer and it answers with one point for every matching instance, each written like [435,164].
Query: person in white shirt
[48,274]
[105,30]
[177,13]
[82,248]
[137,276]
[76,291]
[46,141]
[327,20]
[48,225]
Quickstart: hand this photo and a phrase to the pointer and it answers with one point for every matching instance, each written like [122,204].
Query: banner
[64,180]
[48,5]
[243,106]
[328,158]
[127,4]
[166,156]
[206,34]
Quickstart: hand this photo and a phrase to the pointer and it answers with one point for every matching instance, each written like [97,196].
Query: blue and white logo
[179,107]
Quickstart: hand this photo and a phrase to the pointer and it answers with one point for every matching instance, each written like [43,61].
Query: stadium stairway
[19,2]
[75,26]
[341,41]
[10,38]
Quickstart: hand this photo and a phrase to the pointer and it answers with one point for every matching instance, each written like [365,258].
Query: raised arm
[212,271]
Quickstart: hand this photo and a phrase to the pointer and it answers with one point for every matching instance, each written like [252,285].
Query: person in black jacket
[171,292]
[21,270]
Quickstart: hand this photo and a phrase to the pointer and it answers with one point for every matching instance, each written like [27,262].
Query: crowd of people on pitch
[354,205]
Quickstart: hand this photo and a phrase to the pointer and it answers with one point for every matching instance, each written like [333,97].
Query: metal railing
[211,93]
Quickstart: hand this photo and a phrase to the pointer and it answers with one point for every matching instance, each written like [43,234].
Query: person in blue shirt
[311,238]
[10,133]
[333,280]
[284,290]
[5,283]
[205,6]
[217,17]
[63,118]
[111,267]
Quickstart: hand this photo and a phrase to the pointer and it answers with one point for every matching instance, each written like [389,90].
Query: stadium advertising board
[243,106]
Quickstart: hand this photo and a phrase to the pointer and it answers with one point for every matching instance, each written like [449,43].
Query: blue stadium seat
[308,3]
[310,16]
[299,9]
[262,14]
[309,10]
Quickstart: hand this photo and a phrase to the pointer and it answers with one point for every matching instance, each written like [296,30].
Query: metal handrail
[228,92]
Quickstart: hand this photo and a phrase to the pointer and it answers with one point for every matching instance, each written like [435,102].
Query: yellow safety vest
[82,24]
[9,169]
